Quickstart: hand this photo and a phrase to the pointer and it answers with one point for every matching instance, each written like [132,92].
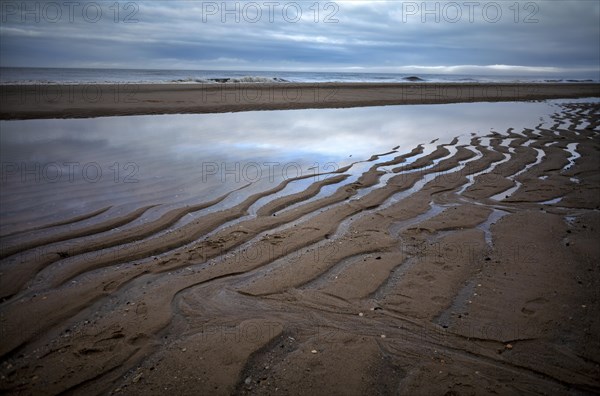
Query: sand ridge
[392,283]
[101,100]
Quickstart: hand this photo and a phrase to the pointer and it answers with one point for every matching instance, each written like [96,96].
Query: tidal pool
[57,169]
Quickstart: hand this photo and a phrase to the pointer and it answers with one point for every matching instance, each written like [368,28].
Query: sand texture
[76,101]
[430,274]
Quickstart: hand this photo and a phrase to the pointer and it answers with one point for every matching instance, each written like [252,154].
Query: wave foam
[229,80]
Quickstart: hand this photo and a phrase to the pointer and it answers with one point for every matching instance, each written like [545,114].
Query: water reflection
[55,169]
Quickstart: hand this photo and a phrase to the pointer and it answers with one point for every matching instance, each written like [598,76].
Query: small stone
[361,314]
[508,346]
[584,306]
[247,381]
[313,351]
[383,336]
[183,349]
[137,378]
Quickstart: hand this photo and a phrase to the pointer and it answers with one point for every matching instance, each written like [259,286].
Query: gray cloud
[377,36]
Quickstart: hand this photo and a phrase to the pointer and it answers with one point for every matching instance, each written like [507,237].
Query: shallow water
[53,170]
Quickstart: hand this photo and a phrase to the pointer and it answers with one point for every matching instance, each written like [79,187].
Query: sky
[461,37]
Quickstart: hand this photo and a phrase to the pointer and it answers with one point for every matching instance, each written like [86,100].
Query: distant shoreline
[101,100]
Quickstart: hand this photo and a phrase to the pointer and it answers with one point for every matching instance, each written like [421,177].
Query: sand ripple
[470,269]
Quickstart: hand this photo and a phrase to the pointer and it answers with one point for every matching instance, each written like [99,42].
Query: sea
[30,75]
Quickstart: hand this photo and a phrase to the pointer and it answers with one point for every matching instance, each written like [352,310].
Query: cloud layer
[393,36]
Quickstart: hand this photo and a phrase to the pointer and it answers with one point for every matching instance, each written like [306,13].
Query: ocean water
[25,75]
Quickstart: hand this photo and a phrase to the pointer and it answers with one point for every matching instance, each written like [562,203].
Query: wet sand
[427,275]
[77,101]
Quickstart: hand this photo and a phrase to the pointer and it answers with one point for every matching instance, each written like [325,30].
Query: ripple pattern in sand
[405,259]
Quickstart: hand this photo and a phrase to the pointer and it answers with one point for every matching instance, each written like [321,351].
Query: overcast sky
[395,36]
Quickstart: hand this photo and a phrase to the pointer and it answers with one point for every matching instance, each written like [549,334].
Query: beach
[96,100]
[451,264]
[300,198]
